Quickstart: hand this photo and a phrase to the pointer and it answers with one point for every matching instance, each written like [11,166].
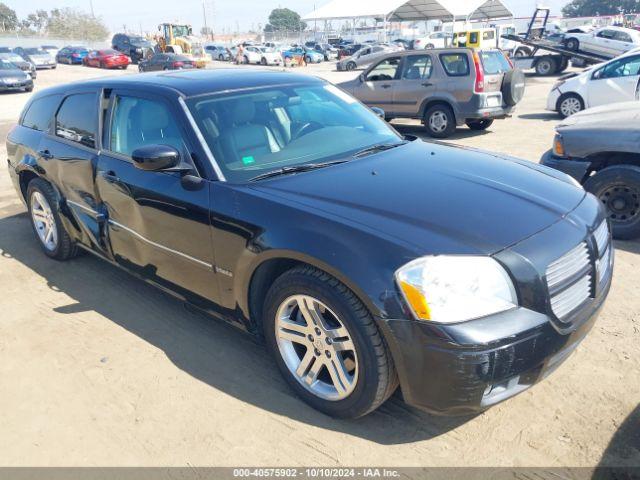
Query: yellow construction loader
[177,38]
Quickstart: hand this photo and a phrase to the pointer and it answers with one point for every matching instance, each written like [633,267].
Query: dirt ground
[97,368]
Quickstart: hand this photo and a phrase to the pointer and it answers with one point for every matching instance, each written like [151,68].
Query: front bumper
[552,100]
[16,86]
[451,377]
[575,168]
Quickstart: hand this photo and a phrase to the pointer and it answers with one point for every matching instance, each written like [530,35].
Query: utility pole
[91,7]
[204,16]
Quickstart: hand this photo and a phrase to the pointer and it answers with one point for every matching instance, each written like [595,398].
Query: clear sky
[224,13]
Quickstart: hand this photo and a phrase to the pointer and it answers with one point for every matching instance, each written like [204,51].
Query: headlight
[139,50]
[449,289]
[558,146]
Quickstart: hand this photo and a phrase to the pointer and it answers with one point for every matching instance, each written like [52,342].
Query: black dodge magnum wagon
[281,204]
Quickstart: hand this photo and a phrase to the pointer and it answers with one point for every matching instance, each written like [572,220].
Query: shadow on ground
[631,246]
[623,450]
[544,116]
[202,347]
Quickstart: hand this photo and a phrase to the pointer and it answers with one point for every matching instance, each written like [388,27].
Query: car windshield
[251,133]
[11,57]
[108,52]
[494,62]
[6,65]
[34,51]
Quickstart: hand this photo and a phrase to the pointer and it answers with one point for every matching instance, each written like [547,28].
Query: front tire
[45,220]
[326,344]
[440,121]
[572,44]
[618,188]
[569,104]
[351,66]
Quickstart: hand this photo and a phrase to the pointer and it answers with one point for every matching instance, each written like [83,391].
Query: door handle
[45,154]
[427,84]
[110,176]
[385,86]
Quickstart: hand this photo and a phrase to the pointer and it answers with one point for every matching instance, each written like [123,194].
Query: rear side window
[40,113]
[455,64]
[77,119]
[494,62]
[623,37]
[417,67]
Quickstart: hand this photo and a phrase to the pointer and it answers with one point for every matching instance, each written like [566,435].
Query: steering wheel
[305,129]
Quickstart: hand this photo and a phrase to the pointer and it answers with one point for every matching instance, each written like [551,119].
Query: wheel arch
[274,263]
[431,102]
[601,160]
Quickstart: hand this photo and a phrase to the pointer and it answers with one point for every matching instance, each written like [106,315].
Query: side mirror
[155,157]
[361,78]
[379,112]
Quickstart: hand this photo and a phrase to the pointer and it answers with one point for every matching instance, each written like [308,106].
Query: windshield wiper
[305,167]
[381,147]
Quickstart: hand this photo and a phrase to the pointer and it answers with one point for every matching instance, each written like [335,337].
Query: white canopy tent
[411,10]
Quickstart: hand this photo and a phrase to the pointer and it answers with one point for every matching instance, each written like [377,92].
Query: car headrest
[243,111]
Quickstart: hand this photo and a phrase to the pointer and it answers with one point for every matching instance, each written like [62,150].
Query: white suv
[607,41]
[617,80]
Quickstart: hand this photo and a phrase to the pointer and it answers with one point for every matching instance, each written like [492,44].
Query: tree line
[68,23]
[589,8]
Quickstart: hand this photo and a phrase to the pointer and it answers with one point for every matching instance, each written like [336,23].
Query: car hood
[622,117]
[13,74]
[608,128]
[45,57]
[438,199]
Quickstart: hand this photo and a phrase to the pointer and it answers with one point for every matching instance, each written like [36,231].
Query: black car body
[20,62]
[13,78]
[599,148]
[212,222]
[134,46]
[165,61]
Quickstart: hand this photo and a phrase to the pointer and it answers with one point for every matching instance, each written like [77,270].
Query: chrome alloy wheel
[316,347]
[44,221]
[438,122]
[570,106]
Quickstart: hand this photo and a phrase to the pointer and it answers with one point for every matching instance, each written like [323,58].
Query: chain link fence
[17,40]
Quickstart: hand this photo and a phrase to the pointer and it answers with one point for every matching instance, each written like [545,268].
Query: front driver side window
[137,122]
[622,68]
[385,70]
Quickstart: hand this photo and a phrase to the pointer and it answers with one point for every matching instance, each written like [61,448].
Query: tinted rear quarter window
[494,62]
[455,64]
[77,119]
[40,113]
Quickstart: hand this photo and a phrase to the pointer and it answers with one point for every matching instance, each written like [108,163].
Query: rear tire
[364,357]
[618,188]
[263,61]
[350,66]
[440,121]
[569,104]
[42,204]
[479,125]
[546,66]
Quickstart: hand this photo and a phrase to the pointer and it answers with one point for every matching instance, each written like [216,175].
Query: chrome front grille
[579,274]
[569,280]
[601,236]
[568,300]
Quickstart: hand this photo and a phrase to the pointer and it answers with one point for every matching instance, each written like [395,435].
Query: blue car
[72,55]
[310,56]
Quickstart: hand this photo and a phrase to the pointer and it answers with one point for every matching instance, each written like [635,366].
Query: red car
[106,59]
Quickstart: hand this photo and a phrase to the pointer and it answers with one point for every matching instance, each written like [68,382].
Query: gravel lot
[97,368]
